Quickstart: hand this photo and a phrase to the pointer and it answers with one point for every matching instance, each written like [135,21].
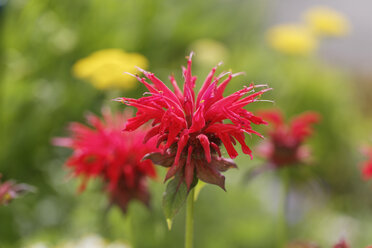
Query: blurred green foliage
[40,41]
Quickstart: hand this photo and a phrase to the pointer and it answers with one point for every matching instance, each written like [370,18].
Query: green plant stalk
[129,228]
[282,218]
[189,228]
[2,72]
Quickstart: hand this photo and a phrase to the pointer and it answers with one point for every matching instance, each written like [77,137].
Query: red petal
[225,138]
[198,121]
[204,141]
[189,169]
[151,133]
[205,85]
[301,125]
[240,137]
[216,148]
[161,86]
[273,116]
[177,90]
[222,86]
[181,144]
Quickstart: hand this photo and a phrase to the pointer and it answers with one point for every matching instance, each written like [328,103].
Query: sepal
[158,158]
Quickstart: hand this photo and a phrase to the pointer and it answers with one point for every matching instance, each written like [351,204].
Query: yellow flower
[105,68]
[209,51]
[292,39]
[327,22]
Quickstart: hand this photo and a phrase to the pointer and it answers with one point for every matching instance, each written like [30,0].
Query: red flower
[107,152]
[367,165]
[190,128]
[341,244]
[10,190]
[285,146]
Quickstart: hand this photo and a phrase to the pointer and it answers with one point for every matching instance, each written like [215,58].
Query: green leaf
[174,197]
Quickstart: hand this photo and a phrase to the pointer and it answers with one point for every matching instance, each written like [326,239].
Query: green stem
[189,230]
[2,73]
[282,222]
[129,227]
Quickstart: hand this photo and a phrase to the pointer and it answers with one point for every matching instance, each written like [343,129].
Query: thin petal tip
[189,58]
[118,99]
[130,74]
[239,74]
[141,70]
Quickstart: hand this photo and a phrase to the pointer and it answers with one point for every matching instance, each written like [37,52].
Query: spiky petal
[190,127]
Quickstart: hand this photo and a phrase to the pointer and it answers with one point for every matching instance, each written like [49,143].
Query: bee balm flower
[191,127]
[367,165]
[341,244]
[105,151]
[285,146]
[10,190]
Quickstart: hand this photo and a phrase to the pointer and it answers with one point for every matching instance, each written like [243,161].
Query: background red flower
[10,190]
[105,151]
[367,165]
[285,144]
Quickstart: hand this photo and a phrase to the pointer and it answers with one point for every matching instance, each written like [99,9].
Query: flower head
[10,190]
[115,156]
[326,21]
[105,68]
[367,165]
[341,244]
[285,146]
[191,127]
[292,39]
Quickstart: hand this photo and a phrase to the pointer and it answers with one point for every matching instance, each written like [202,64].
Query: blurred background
[45,84]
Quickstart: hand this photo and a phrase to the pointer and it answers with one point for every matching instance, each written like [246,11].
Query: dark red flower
[367,165]
[341,244]
[10,190]
[190,128]
[105,151]
[285,145]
